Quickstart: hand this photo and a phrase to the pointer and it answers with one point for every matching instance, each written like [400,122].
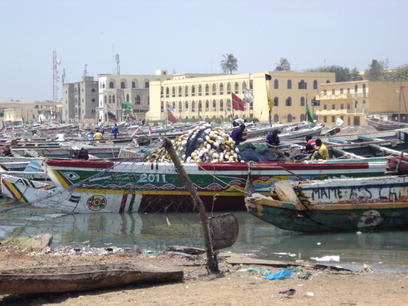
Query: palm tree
[229,63]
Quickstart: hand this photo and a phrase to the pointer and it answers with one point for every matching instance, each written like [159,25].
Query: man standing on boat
[100,127]
[115,131]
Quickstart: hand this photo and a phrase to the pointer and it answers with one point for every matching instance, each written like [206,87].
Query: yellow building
[208,97]
[17,113]
[353,101]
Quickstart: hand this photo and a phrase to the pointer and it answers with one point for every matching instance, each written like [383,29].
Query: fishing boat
[382,125]
[357,204]
[104,186]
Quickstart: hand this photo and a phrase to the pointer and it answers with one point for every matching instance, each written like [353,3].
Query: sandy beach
[241,281]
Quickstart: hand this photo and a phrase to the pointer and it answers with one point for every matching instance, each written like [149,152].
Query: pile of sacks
[203,144]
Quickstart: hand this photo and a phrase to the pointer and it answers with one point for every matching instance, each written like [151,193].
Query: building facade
[80,100]
[208,97]
[17,113]
[353,101]
[125,96]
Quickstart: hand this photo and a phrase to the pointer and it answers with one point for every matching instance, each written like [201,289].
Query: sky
[190,36]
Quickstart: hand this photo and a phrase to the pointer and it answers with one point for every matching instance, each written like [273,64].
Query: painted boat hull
[221,186]
[361,204]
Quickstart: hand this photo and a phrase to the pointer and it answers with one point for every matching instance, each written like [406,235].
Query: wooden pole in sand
[212,262]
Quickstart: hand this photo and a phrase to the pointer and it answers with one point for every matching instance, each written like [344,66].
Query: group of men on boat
[313,150]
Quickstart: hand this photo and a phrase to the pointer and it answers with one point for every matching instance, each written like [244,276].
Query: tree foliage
[398,74]
[375,71]
[343,74]
[229,63]
[283,65]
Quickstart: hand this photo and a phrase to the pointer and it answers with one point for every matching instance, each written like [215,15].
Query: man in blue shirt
[115,131]
[236,134]
[273,139]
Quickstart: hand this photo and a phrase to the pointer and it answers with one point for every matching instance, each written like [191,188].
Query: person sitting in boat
[307,151]
[237,134]
[321,151]
[98,135]
[7,151]
[273,139]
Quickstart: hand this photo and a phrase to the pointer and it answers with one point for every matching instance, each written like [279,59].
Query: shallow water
[381,251]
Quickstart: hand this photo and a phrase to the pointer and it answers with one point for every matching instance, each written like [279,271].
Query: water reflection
[385,251]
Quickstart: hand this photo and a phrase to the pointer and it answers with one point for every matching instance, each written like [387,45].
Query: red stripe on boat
[280,165]
[80,163]
[123,203]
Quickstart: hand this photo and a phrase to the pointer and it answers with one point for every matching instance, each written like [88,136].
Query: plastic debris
[260,271]
[279,275]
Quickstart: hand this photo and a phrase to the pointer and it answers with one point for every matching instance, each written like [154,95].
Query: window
[193,91]
[173,91]
[133,84]
[289,101]
[207,90]
[137,99]
[111,85]
[276,84]
[186,91]
[221,89]
[302,85]
[127,97]
[276,101]
[315,84]
[146,84]
[122,85]
[200,90]
[221,105]
[214,106]
[333,106]
[214,90]
[302,101]
[236,87]
[289,84]
[228,88]
[179,92]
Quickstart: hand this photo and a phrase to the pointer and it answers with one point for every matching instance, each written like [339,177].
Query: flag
[248,96]
[309,115]
[112,116]
[268,77]
[237,103]
[170,113]
[270,101]
[132,118]
[126,106]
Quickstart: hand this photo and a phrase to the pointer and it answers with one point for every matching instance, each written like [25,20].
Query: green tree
[397,74]
[283,65]
[342,73]
[229,63]
[375,71]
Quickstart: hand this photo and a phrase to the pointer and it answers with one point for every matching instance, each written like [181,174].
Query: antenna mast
[55,77]
[117,63]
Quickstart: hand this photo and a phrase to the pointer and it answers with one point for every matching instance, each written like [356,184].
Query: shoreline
[240,282]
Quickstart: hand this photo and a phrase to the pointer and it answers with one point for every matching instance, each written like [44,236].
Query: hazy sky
[190,36]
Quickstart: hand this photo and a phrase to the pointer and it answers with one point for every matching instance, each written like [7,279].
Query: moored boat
[357,204]
[147,187]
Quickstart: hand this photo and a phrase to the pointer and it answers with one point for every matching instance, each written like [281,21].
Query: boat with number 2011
[104,186]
